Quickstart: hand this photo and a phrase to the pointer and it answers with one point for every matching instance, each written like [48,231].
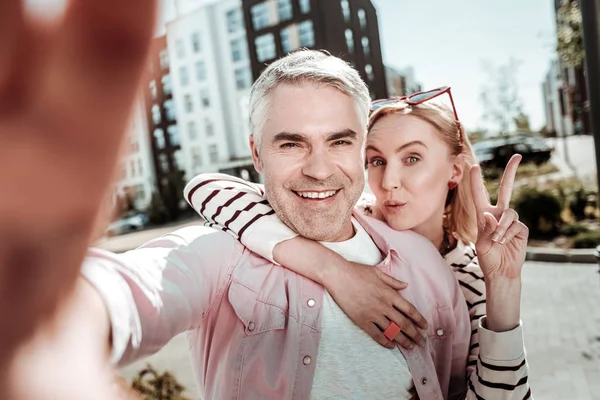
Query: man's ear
[255,155]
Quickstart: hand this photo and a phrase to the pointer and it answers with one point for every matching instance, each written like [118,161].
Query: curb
[575,256]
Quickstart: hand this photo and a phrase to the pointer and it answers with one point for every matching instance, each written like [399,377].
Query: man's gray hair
[306,66]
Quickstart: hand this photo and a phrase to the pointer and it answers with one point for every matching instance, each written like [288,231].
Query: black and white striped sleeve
[497,366]
[239,208]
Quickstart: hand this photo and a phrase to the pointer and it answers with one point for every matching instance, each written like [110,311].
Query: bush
[157,213]
[579,203]
[540,210]
[573,229]
[154,386]
[586,240]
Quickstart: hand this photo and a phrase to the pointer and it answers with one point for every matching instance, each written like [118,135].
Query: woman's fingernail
[503,240]
[495,238]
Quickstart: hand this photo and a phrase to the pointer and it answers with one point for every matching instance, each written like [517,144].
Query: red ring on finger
[392,331]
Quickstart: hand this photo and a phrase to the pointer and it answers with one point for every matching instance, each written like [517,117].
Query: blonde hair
[461,218]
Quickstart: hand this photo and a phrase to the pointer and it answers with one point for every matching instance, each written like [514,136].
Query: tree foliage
[570,45]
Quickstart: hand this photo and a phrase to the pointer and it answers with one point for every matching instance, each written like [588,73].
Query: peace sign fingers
[480,196]
[507,183]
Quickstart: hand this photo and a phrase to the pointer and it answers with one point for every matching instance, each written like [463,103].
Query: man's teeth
[316,195]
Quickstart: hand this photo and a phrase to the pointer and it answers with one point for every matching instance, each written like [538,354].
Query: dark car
[496,152]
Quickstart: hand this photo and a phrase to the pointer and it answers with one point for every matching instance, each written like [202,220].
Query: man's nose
[318,165]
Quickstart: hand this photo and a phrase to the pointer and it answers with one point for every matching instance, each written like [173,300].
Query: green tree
[522,122]
[570,39]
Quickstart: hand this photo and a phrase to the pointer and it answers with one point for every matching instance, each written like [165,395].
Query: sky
[446,42]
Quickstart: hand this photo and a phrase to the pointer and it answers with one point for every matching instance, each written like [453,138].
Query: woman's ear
[458,168]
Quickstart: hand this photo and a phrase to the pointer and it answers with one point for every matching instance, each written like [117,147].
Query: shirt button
[306,360]
[424,381]
[311,303]
[440,332]
[251,326]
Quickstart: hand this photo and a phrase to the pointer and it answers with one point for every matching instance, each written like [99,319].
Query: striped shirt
[497,369]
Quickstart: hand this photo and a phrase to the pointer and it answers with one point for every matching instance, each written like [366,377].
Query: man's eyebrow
[289,137]
[345,134]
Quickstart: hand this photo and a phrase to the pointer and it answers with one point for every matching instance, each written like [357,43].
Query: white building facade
[556,121]
[136,178]
[211,80]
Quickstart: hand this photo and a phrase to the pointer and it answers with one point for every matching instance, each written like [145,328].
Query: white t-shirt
[350,364]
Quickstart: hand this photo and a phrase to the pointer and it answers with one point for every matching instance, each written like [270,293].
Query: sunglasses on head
[420,98]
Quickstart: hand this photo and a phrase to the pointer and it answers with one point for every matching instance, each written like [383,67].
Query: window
[210,131]
[265,47]
[164,162]
[196,157]
[164,59]
[350,41]
[243,80]
[156,117]
[153,91]
[123,171]
[196,42]
[238,49]
[306,33]
[284,8]
[234,20]
[166,83]
[201,71]
[180,48]
[178,158]
[192,130]
[132,167]
[346,10]
[159,138]
[213,153]
[173,132]
[139,166]
[140,193]
[184,77]
[369,72]
[205,98]
[189,105]
[362,18]
[170,110]
[365,46]
[260,16]
[286,39]
[304,6]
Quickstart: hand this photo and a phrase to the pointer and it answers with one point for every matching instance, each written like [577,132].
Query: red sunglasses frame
[407,99]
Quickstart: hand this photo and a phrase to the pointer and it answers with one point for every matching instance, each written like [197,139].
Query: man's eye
[341,143]
[288,145]
[413,160]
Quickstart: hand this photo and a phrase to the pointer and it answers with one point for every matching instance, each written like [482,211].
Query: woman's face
[409,168]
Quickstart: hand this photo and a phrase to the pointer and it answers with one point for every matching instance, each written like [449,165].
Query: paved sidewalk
[561,314]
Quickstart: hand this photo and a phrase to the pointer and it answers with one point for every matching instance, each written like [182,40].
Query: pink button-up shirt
[254,327]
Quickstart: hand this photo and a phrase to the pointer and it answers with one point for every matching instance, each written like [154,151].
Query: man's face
[311,159]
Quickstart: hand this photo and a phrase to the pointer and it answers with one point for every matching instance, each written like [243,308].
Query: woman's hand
[367,296]
[371,300]
[502,239]
[501,249]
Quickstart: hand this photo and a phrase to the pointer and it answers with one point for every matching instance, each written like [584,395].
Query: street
[581,154]
[561,316]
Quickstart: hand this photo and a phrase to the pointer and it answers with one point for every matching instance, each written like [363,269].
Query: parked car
[127,224]
[496,152]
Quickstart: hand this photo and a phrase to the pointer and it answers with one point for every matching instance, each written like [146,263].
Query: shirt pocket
[257,316]
[441,327]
